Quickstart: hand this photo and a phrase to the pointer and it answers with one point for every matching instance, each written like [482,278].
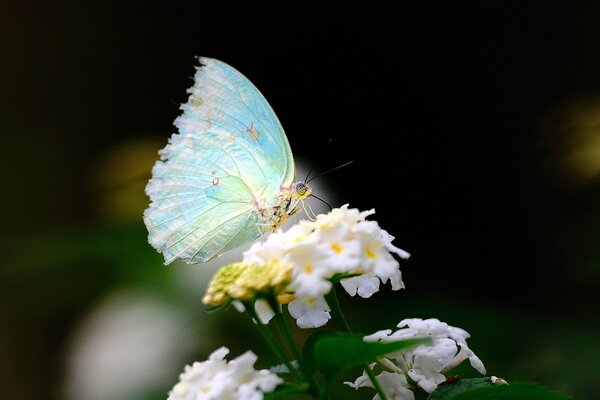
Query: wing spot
[196,101]
[213,172]
[215,181]
[253,132]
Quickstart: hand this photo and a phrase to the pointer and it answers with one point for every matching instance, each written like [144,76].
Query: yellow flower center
[370,253]
[298,239]
[309,302]
[309,268]
[336,247]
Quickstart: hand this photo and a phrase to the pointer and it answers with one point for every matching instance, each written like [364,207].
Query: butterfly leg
[309,211]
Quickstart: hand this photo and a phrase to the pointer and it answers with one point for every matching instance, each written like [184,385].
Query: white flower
[264,311]
[365,285]
[376,255]
[361,381]
[216,378]
[309,279]
[342,215]
[440,330]
[339,242]
[310,312]
[394,385]
[268,252]
[426,370]
[341,248]
[426,364]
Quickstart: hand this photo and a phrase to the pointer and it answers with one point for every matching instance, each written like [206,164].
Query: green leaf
[448,391]
[285,389]
[334,352]
[484,389]
[309,345]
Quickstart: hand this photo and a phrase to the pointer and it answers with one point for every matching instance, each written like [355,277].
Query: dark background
[475,133]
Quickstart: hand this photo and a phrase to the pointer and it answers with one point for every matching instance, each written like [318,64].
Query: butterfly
[227,176]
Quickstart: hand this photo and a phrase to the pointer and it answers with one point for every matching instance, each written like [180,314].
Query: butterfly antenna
[330,170]
[319,159]
[323,201]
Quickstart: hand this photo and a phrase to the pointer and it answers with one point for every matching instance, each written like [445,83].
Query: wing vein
[227,242]
[177,216]
[243,123]
[197,240]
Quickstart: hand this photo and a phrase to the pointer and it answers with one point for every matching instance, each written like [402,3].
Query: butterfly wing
[230,151]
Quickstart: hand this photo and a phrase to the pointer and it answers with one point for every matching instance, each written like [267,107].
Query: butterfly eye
[301,188]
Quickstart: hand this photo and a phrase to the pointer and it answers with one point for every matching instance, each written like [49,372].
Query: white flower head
[426,364]
[216,378]
[337,244]
[434,327]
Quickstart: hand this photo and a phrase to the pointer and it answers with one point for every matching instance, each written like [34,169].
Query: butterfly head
[297,193]
[302,190]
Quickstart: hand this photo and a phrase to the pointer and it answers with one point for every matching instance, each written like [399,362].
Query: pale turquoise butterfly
[227,177]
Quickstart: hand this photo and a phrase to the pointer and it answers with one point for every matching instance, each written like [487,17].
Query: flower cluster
[216,378]
[424,364]
[341,245]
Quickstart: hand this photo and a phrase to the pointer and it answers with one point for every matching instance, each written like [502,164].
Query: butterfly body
[226,177]
[286,206]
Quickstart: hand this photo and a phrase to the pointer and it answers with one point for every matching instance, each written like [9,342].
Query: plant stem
[286,335]
[271,341]
[375,381]
[336,309]
[326,389]
[287,338]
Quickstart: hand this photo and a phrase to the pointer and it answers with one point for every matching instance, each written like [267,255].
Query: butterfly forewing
[229,151]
